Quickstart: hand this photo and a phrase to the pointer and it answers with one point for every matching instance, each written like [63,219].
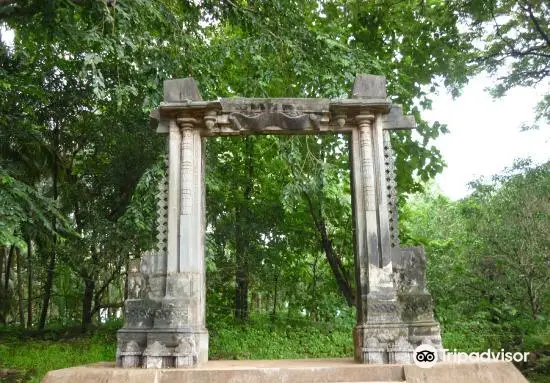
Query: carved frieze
[172,317]
[258,122]
[138,314]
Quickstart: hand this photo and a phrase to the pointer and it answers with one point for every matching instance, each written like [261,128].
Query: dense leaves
[488,260]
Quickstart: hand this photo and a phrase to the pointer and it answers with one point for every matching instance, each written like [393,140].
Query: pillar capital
[364,118]
[210,118]
[186,122]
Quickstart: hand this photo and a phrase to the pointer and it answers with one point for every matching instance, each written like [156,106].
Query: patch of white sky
[485,135]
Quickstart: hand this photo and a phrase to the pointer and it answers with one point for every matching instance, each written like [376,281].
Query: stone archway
[165,309]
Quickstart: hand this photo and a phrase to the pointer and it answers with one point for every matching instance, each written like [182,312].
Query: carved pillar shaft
[190,199]
[173,196]
[368,185]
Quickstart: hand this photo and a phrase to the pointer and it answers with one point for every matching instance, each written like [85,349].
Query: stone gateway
[165,310]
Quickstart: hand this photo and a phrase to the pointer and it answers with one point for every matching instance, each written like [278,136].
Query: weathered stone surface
[409,268]
[401,351]
[369,86]
[310,370]
[396,120]
[483,371]
[139,313]
[181,90]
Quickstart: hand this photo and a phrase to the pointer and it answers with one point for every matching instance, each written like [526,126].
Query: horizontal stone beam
[395,120]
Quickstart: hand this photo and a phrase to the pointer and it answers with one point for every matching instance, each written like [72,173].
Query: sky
[485,134]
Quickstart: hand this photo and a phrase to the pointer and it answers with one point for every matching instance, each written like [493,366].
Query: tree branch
[529,10]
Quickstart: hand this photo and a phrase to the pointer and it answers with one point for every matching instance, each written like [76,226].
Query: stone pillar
[183,307]
[368,182]
[394,309]
[378,295]
[165,312]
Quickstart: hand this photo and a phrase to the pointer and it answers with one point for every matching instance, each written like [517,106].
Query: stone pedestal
[278,371]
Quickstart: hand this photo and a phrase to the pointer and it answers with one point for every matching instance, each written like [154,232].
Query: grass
[260,338]
[36,357]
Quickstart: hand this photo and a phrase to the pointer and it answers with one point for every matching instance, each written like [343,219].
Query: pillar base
[161,348]
[381,343]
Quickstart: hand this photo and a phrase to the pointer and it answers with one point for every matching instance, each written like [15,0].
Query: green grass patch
[36,357]
[263,339]
[260,338]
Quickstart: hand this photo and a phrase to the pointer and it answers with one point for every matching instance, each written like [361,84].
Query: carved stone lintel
[268,119]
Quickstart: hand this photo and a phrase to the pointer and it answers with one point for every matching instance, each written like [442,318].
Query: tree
[514,43]
[513,224]
[82,77]
[488,256]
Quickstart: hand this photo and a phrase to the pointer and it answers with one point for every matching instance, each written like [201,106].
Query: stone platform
[291,371]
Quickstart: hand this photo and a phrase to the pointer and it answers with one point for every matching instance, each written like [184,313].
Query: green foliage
[514,43]
[261,338]
[20,205]
[37,357]
[283,339]
[487,262]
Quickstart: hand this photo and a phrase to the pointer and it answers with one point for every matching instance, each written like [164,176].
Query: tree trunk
[89,286]
[275,293]
[3,256]
[8,269]
[51,264]
[533,299]
[29,283]
[47,291]
[20,290]
[242,238]
[313,307]
[338,270]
